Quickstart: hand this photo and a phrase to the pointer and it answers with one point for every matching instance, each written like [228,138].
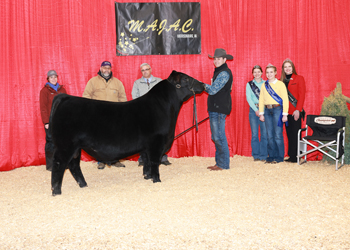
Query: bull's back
[85,121]
[74,115]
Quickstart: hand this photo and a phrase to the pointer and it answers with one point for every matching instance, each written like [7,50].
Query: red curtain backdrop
[73,37]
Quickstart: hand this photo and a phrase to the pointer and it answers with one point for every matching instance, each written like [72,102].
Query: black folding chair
[328,132]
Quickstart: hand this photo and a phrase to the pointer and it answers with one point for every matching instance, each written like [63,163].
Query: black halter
[194,120]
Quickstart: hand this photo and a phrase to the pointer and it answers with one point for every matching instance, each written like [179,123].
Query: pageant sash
[292,99]
[278,99]
[255,89]
[294,102]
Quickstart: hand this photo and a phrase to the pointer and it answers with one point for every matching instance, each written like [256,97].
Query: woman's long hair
[283,74]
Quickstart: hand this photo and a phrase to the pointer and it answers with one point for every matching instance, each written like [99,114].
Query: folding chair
[328,132]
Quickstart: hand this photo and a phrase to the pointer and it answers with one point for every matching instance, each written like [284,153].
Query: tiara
[287,60]
[270,65]
[256,67]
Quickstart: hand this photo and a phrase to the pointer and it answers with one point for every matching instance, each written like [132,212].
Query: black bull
[110,131]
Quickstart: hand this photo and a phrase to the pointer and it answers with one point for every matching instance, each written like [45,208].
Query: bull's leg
[74,168]
[147,172]
[60,163]
[155,157]
[146,168]
[155,171]
[57,173]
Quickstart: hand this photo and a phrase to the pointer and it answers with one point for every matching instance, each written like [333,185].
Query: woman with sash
[259,147]
[295,85]
[273,110]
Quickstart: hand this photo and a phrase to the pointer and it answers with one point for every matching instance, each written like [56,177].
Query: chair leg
[302,148]
[337,155]
[336,164]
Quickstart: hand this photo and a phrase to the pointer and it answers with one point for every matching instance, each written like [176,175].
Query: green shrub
[335,104]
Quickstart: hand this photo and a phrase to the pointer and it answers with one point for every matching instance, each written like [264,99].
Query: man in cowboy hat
[219,106]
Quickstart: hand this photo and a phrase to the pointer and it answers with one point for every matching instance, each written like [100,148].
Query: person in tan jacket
[105,87]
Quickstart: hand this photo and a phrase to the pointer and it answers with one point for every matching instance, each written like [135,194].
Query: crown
[287,60]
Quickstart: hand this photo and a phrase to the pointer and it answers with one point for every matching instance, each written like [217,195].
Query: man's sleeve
[218,84]
[121,93]
[135,93]
[88,92]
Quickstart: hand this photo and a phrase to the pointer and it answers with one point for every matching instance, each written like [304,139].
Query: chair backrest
[325,125]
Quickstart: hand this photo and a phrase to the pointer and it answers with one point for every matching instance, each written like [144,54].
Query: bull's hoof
[147,176]
[82,185]
[156,180]
[56,192]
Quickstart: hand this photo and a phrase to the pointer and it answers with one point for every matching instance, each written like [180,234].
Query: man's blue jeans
[259,147]
[218,135]
[275,144]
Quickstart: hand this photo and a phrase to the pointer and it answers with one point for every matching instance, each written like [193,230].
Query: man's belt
[271,106]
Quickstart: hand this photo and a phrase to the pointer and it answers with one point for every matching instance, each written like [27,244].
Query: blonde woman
[273,110]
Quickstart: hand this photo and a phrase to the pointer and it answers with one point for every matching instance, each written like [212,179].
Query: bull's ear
[174,77]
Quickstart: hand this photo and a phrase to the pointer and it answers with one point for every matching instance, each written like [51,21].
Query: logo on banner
[158,28]
[325,120]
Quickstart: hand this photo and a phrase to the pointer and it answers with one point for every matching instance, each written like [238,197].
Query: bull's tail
[55,102]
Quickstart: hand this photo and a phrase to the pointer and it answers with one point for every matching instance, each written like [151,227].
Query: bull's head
[186,85]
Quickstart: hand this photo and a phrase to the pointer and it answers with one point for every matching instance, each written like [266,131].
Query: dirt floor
[251,206]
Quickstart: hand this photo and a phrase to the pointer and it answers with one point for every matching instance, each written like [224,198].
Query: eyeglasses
[142,70]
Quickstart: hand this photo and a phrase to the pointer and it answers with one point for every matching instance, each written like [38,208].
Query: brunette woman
[296,93]
[273,110]
[259,147]
[47,93]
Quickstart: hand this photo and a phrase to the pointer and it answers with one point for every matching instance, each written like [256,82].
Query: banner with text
[158,28]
